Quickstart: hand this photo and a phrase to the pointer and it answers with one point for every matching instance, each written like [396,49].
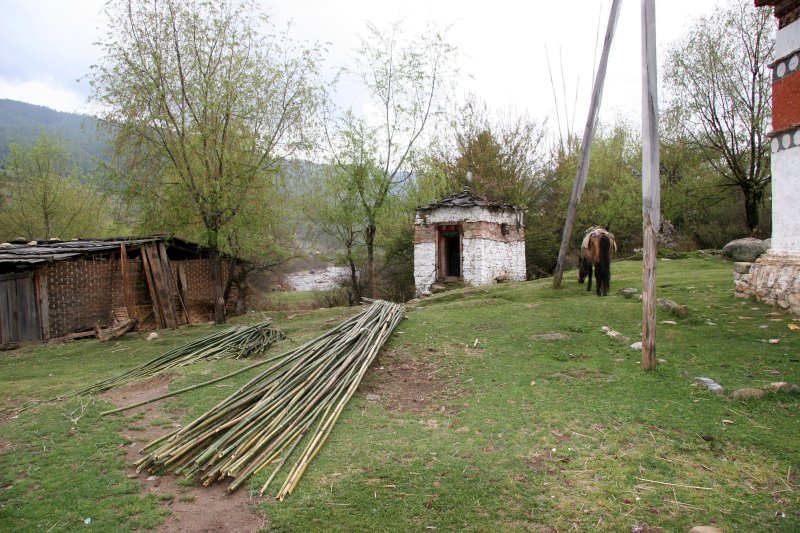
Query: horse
[597,249]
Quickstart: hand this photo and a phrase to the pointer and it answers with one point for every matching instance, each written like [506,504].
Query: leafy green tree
[397,223]
[404,81]
[507,156]
[504,153]
[46,196]
[335,209]
[718,80]
[202,107]
[612,196]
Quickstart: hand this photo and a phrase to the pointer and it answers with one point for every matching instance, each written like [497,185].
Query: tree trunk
[369,238]
[751,210]
[241,297]
[226,293]
[355,298]
[216,282]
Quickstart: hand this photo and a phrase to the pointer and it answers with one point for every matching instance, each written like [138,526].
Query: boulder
[710,384]
[628,292]
[783,386]
[617,336]
[745,394]
[745,250]
[673,307]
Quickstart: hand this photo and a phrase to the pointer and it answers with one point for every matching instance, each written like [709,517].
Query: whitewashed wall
[424,266]
[786,197]
[787,40]
[453,215]
[486,260]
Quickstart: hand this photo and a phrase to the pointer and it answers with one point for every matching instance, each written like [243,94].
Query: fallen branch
[674,484]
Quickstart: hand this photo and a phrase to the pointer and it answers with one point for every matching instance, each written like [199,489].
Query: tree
[202,107]
[259,239]
[335,209]
[612,195]
[506,154]
[404,82]
[719,82]
[47,197]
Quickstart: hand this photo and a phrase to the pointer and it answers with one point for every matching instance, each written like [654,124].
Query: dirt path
[194,508]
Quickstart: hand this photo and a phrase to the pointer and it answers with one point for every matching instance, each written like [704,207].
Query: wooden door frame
[441,251]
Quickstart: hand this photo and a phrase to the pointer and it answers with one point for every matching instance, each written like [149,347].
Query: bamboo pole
[586,144]
[264,422]
[651,185]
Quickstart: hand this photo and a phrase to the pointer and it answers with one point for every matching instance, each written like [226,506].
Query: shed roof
[50,251]
[466,199]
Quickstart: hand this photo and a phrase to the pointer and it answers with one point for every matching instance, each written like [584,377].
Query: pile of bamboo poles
[261,424]
[238,342]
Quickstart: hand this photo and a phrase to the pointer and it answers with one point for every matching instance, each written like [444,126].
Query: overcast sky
[46,46]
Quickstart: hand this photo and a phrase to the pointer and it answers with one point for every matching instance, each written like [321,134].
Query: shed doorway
[449,247]
[20,319]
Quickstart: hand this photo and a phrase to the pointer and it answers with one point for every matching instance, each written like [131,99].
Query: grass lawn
[482,424]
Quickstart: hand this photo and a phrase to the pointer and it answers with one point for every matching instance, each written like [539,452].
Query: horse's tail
[604,263]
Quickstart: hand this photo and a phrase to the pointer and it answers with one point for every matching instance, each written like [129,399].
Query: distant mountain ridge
[23,123]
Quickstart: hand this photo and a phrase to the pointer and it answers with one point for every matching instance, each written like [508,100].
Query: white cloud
[43,92]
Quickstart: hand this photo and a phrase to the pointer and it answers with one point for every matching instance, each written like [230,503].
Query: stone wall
[488,261]
[424,266]
[775,280]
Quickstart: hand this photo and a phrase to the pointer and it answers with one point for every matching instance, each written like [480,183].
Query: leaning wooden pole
[651,186]
[586,144]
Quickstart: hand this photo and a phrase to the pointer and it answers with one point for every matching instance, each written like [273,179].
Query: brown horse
[597,249]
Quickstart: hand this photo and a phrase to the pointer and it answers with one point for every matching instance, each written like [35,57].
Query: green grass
[523,434]
[290,301]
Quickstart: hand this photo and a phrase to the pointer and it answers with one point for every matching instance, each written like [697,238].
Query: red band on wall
[786,101]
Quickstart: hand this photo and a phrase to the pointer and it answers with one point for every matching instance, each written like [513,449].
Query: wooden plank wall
[159,280]
[20,319]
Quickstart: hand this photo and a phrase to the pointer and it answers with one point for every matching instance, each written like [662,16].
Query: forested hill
[22,123]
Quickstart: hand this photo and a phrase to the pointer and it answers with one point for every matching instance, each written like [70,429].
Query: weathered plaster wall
[786,92]
[787,40]
[786,194]
[487,261]
[452,215]
[424,266]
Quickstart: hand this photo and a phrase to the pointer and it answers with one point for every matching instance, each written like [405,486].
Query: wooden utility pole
[651,186]
[586,144]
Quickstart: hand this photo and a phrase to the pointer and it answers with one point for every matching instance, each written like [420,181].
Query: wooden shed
[61,288]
